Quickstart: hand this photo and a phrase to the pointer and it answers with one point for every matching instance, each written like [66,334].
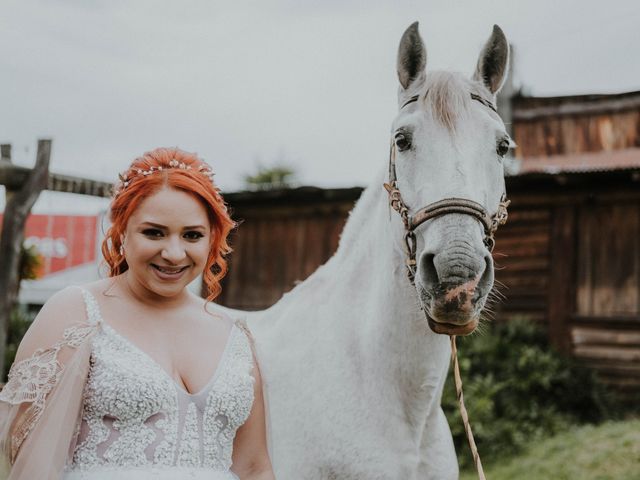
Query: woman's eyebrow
[187,227]
[156,225]
[194,227]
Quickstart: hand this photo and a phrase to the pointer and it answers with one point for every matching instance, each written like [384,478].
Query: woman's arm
[42,398]
[250,456]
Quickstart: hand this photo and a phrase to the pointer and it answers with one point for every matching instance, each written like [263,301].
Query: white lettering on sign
[49,247]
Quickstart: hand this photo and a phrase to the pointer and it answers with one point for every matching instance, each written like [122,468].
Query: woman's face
[166,242]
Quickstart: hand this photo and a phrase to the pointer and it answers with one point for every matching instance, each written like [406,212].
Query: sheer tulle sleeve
[41,403]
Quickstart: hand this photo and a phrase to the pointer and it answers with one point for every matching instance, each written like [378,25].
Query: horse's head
[448,143]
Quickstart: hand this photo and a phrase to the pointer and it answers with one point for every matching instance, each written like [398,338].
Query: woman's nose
[174,251]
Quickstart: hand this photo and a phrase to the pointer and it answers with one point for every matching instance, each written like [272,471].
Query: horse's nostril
[429,271]
[486,281]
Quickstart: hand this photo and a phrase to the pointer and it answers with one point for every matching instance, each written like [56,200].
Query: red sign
[64,241]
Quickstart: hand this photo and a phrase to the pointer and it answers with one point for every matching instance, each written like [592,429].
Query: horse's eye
[503,147]
[403,141]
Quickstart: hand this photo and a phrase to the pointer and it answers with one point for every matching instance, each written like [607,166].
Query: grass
[610,451]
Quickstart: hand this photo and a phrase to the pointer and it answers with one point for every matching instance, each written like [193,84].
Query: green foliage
[30,263]
[270,178]
[518,390]
[610,451]
[18,325]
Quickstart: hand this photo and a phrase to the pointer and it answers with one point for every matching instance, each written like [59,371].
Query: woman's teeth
[170,271]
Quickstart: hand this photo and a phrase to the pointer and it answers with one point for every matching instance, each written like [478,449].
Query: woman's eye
[403,141]
[152,232]
[503,147]
[193,235]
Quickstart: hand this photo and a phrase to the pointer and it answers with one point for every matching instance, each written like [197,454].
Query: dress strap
[241,324]
[93,310]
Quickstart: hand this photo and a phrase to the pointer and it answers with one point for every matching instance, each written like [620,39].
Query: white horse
[353,375]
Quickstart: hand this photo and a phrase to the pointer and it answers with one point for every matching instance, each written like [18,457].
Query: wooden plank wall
[605,330]
[277,246]
[521,257]
[568,125]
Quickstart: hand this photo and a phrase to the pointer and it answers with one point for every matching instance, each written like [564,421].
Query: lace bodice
[135,415]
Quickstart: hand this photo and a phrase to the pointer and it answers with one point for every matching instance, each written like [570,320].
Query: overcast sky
[308,83]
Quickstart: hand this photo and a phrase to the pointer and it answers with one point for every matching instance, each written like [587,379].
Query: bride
[134,377]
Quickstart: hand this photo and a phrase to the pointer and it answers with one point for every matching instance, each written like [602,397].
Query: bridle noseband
[446,206]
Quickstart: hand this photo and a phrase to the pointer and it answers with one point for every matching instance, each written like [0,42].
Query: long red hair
[180,170]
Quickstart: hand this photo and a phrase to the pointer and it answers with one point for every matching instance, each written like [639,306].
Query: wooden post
[5,150]
[562,280]
[19,204]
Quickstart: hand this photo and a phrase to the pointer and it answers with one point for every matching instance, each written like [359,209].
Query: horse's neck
[369,257]
[368,273]
[369,281]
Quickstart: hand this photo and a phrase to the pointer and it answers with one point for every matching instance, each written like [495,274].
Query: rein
[446,206]
[463,410]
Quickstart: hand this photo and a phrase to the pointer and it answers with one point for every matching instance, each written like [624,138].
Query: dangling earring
[122,250]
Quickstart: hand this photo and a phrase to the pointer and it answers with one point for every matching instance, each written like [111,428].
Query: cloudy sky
[308,83]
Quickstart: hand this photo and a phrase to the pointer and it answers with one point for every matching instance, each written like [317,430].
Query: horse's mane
[447,96]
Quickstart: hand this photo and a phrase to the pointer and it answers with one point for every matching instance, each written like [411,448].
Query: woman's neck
[140,294]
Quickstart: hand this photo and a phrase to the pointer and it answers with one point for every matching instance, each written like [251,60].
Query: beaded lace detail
[31,380]
[135,415]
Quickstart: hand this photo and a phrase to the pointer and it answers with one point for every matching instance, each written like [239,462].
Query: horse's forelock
[448,97]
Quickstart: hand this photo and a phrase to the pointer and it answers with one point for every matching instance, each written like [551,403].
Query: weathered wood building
[568,258]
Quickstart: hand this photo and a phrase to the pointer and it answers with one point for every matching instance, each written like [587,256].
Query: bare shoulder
[99,287]
[63,309]
[233,317]
[228,315]
[211,318]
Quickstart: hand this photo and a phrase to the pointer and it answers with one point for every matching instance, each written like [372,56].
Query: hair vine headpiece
[127,177]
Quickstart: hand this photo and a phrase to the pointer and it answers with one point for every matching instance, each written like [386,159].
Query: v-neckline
[153,362]
[159,367]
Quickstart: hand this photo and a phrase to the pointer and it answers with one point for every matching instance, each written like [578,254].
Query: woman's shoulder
[62,305]
[219,312]
[62,310]
[234,318]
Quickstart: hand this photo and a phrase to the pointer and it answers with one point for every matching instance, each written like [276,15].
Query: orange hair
[136,187]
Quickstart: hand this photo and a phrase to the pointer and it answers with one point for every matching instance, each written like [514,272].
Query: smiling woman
[133,375]
[176,171]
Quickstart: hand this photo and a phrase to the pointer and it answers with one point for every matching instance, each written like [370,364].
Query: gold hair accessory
[127,177]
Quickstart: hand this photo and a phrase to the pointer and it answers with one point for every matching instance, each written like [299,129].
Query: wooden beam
[593,106]
[14,176]
[17,209]
[5,152]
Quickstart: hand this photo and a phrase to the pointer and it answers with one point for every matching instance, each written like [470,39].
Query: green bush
[517,390]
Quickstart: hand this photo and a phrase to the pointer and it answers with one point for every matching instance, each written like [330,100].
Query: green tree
[270,178]
[19,321]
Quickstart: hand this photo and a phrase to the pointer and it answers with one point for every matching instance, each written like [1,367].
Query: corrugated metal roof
[606,160]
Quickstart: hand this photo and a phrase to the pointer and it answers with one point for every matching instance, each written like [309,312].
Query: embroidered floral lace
[135,415]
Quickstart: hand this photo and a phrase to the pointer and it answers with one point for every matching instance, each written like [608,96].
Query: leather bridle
[446,206]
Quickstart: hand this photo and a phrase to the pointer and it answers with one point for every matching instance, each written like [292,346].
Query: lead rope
[463,409]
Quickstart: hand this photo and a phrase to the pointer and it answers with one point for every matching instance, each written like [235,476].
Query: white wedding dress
[138,424]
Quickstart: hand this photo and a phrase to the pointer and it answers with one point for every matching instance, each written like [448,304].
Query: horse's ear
[412,57]
[493,61]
